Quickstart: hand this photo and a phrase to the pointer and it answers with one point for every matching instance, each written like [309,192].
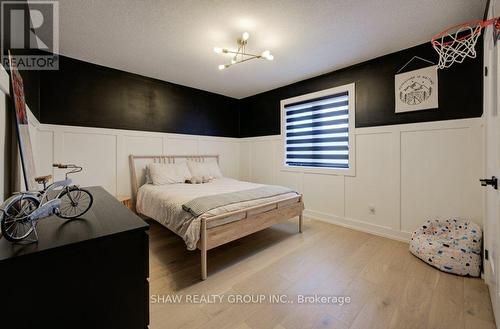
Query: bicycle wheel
[74,202]
[15,222]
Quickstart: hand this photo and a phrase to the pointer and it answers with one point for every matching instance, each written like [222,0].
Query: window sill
[319,171]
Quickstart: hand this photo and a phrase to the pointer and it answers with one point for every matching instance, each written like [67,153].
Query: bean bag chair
[453,246]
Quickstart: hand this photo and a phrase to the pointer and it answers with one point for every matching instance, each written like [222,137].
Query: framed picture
[417,90]
[22,125]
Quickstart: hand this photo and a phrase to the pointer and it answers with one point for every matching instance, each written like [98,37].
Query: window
[316,130]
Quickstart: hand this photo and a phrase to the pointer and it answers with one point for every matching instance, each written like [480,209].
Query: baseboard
[358,225]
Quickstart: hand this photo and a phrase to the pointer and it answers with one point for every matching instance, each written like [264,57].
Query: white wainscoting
[407,173]
[103,153]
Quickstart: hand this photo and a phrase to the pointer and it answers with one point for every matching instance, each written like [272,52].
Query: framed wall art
[417,90]
[22,127]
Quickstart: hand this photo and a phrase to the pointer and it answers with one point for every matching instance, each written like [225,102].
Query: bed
[217,226]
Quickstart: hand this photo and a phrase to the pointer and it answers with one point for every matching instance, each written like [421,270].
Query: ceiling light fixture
[240,55]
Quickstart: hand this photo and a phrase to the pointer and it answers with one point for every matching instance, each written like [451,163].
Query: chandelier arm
[241,53]
[249,58]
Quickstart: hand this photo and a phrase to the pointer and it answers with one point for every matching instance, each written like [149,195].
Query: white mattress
[163,203]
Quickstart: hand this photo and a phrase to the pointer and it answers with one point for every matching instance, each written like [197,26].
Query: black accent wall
[31,81]
[85,94]
[460,92]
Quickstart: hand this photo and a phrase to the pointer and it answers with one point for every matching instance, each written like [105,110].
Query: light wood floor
[389,288]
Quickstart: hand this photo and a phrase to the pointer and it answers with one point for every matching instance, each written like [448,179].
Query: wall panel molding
[109,161]
[414,156]
[461,144]
[358,225]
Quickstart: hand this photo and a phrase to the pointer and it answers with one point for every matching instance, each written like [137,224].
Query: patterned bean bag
[452,246]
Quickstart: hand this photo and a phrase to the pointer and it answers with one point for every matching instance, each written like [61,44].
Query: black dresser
[85,273]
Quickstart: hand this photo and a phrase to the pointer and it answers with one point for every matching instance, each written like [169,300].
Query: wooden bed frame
[251,220]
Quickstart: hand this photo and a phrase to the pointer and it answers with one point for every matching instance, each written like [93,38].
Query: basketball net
[456,43]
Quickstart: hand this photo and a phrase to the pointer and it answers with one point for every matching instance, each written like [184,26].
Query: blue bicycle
[21,212]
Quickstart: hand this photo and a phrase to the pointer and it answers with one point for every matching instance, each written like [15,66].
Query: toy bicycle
[21,212]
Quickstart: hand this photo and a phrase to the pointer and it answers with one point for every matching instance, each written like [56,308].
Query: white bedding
[164,203]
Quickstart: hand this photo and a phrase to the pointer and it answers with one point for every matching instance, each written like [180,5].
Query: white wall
[408,173]
[103,153]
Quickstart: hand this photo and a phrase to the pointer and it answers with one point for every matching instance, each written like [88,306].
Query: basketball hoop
[458,42]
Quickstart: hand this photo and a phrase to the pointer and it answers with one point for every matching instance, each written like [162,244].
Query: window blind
[317,132]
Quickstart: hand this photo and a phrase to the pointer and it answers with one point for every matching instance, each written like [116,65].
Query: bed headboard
[138,165]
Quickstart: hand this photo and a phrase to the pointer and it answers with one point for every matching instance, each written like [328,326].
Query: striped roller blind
[317,132]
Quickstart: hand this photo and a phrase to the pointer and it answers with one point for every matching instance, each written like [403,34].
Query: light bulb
[245,36]
[217,50]
[270,57]
[265,53]
[222,67]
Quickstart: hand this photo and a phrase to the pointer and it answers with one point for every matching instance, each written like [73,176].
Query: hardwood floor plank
[413,307]
[447,305]
[477,300]
[472,322]
[376,313]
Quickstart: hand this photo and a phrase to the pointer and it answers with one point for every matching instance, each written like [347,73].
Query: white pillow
[204,169]
[168,173]
[198,169]
[213,169]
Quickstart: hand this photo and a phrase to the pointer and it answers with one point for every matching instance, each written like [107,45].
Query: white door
[492,149]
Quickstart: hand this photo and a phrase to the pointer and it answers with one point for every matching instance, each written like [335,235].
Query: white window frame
[351,171]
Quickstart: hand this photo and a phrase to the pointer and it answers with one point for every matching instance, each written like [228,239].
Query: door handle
[493,182]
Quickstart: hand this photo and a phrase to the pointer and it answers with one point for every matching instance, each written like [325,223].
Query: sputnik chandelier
[241,55]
